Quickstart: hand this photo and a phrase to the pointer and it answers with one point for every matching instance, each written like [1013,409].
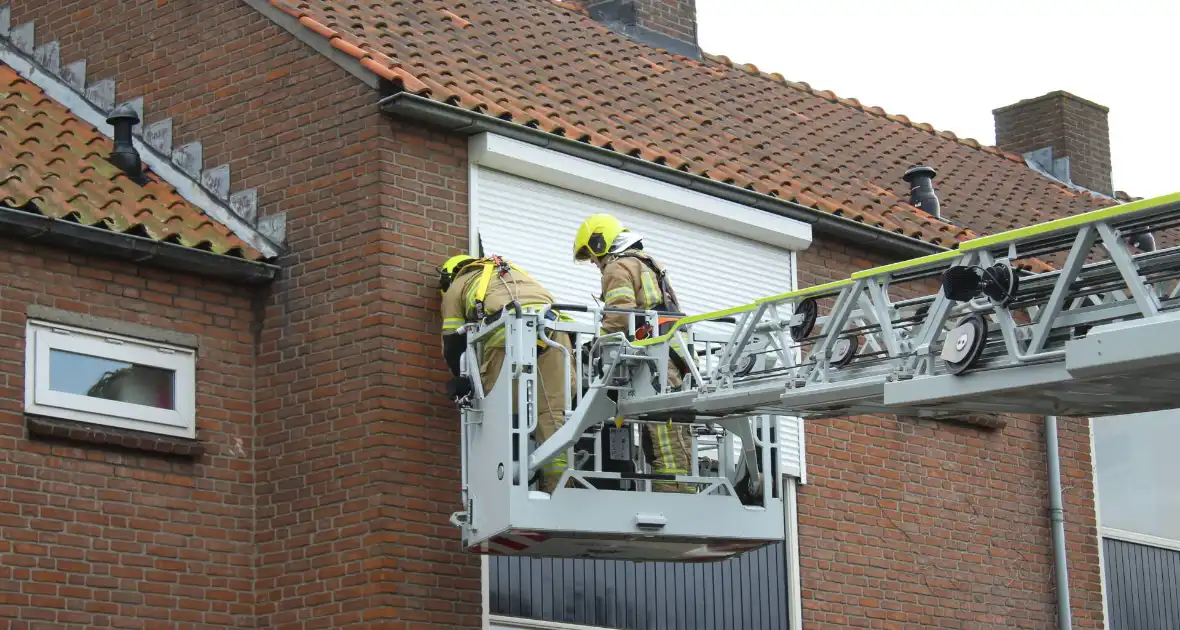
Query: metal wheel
[844,351]
[747,366]
[965,343]
[809,309]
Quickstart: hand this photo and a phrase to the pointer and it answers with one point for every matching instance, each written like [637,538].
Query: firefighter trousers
[670,447]
[550,400]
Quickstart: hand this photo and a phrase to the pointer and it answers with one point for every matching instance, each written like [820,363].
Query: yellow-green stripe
[907,264]
[1071,222]
[829,287]
[692,319]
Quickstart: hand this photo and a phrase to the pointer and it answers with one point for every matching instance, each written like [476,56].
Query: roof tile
[545,63]
[56,165]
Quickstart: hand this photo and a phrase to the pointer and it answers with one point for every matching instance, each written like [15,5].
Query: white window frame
[43,337]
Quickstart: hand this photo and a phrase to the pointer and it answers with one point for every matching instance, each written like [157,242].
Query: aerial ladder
[970,331]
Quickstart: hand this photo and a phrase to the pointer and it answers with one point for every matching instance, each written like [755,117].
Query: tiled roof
[547,65]
[55,164]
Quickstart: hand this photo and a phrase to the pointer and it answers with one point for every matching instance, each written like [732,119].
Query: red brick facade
[356,451]
[103,537]
[331,459]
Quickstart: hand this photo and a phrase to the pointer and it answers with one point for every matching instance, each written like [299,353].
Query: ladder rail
[1048,315]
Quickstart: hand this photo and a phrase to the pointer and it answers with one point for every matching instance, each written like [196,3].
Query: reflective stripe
[453,323]
[650,292]
[664,443]
[496,339]
[618,293]
[469,297]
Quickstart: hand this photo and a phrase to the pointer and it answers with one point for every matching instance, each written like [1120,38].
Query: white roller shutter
[533,224]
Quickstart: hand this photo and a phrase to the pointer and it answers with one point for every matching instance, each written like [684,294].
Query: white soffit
[580,175]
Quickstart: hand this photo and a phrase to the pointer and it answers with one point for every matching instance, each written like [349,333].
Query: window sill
[43,427]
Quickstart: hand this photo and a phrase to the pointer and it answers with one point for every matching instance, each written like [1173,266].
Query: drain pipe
[1057,512]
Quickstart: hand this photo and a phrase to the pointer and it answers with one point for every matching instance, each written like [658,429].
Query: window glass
[86,375]
[1138,472]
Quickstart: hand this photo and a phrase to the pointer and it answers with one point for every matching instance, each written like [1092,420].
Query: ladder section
[968,331]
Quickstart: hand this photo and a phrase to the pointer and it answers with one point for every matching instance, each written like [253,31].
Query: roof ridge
[180,167]
[855,103]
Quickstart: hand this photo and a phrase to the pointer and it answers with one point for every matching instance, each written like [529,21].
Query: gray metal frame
[1091,339]
[1058,318]
[501,512]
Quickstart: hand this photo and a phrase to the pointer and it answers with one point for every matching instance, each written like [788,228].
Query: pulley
[843,351]
[808,310]
[965,343]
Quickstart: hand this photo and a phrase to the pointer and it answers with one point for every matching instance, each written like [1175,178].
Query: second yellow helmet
[595,236]
[449,269]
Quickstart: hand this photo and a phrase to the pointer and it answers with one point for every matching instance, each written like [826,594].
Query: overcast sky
[951,63]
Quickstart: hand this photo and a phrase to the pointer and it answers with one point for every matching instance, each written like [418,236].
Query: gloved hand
[459,388]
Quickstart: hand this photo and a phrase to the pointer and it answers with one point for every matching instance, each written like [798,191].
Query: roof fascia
[188,188]
[66,234]
[458,120]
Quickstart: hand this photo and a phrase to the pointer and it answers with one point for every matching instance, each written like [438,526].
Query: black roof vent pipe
[921,180]
[124,155]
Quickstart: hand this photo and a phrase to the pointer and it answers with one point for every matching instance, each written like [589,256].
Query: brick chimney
[1062,135]
[667,24]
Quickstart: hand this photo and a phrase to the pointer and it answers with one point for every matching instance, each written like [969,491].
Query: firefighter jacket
[629,281]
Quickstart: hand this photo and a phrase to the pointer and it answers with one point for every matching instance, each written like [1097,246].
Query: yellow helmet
[596,235]
[449,269]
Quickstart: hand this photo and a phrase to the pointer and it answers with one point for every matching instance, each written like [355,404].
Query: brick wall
[916,523]
[1074,127]
[102,537]
[356,451]
[357,455]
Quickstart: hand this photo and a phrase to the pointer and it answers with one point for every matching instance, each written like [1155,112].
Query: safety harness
[496,266]
[490,266]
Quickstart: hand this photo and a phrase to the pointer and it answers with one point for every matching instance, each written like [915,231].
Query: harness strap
[481,288]
[490,266]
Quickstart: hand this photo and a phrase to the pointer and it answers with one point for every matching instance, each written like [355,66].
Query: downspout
[1057,515]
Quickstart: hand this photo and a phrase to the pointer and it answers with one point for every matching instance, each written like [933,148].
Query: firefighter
[475,289]
[632,279]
